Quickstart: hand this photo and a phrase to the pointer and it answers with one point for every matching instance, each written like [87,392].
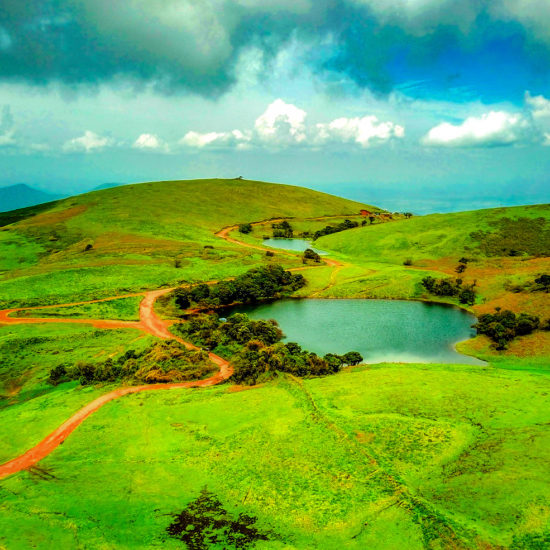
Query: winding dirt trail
[149,323]
[225,234]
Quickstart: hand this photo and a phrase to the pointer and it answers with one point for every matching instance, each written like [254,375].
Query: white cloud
[281,124]
[89,142]
[150,142]
[546,141]
[363,131]
[217,140]
[284,125]
[7,128]
[538,105]
[488,130]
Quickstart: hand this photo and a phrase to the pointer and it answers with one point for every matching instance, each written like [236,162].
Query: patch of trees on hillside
[503,326]
[282,230]
[447,287]
[166,361]
[261,283]
[523,236]
[329,229]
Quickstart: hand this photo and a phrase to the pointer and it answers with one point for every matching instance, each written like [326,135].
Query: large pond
[297,245]
[381,330]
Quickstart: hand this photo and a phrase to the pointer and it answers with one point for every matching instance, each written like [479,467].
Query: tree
[181,298]
[200,292]
[334,361]
[544,282]
[245,228]
[310,254]
[57,375]
[352,358]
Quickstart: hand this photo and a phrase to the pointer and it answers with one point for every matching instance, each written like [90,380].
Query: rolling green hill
[142,236]
[449,235]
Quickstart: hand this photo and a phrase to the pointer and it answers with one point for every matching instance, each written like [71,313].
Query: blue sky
[413,104]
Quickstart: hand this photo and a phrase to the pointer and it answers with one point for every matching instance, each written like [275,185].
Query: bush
[245,228]
[166,361]
[310,254]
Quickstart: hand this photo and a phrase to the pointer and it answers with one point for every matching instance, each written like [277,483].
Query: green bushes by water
[167,361]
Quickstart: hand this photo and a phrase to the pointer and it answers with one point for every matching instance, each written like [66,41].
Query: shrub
[245,228]
[310,254]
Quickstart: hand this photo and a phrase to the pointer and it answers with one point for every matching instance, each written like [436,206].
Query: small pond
[297,245]
[381,330]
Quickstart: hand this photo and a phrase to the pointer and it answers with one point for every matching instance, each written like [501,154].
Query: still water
[380,330]
[297,245]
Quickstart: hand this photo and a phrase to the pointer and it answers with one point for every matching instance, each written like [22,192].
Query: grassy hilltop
[423,457]
[142,236]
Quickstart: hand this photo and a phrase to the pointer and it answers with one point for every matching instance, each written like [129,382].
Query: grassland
[157,234]
[124,309]
[27,354]
[360,460]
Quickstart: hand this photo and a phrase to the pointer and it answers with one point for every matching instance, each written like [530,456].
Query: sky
[421,105]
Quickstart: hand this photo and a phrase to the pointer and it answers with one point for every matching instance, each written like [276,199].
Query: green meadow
[124,309]
[391,456]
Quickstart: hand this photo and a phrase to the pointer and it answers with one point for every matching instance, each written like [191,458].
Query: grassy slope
[143,236]
[435,243]
[30,408]
[425,238]
[124,309]
[360,460]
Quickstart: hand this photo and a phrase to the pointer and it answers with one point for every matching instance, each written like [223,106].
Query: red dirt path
[150,323]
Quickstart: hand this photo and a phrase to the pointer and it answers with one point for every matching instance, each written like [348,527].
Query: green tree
[245,228]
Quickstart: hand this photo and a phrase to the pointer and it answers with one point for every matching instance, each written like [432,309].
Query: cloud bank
[189,46]
[285,125]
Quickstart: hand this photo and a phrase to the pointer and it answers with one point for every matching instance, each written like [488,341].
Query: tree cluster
[282,230]
[245,228]
[167,361]
[447,287]
[329,229]
[310,254]
[503,326]
[261,283]
[255,348]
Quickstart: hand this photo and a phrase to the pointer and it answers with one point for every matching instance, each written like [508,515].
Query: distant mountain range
[22,195]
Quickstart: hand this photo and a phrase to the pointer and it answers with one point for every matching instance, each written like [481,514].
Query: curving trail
[225,234]
[149,323]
